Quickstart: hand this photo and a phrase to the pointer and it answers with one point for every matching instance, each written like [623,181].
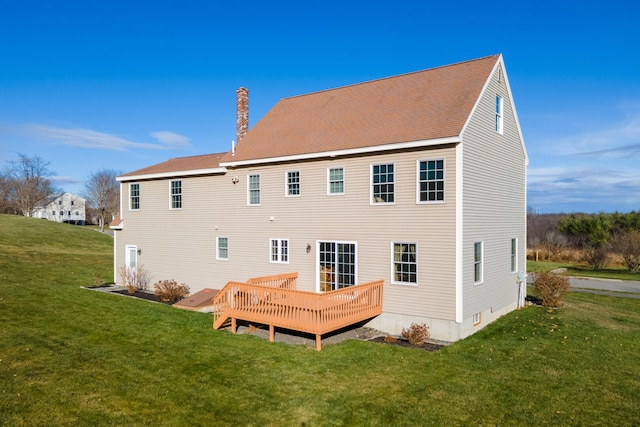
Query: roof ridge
[391,77]
[198,155]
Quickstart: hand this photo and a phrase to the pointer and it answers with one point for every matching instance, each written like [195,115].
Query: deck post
[233,325]
[272,333]
[318,342]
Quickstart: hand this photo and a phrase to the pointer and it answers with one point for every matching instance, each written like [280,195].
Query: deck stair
[274,301]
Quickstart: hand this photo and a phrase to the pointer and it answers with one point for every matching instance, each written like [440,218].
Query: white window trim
[444,182]
[477,319]
[249,189]
[513,260]
[499,115]
[372,202]
[394,282]
[344,181]
[286,184]
[171,194]
[131,197]
[481,263]
[218,248]
[279,260]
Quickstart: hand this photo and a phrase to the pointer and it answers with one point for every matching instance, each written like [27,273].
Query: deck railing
[263,300]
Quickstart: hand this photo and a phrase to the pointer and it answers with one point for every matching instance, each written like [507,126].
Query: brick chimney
[242,113]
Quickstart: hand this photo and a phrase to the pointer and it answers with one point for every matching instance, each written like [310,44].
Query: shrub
[416,334]
[169,290]
[596,256]
[134,279]
[551,288]
[97,279]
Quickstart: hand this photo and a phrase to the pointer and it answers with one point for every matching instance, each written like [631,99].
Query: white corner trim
[459,270]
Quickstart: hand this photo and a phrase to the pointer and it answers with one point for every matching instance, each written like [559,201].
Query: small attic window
[500,75]
[499,122]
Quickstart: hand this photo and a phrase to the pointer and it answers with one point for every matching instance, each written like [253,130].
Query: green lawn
[611,272]
[75,357]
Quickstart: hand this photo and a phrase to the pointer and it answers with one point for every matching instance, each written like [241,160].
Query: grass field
[75,357]
[610,272]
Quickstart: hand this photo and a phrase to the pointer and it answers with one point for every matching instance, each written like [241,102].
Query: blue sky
[123,85]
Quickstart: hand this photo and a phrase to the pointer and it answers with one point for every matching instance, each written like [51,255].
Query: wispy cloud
[579,188]
[171,139]
[619,141]
[88,138]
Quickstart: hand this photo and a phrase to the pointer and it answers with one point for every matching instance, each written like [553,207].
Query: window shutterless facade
[279,249]
[293,183]
[478,262]
[514,255]
[499,121]
[431,181]
[176,194]
[134,197]
[404,263]
[335,181]
[222,248]
[253,189]
[382,183]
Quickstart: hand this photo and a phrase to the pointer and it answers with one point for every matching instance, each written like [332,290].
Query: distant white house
[64,207]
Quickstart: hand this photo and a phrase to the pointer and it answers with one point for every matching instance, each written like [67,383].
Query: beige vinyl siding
[315,216]
[180,244]
[494,202]
[174,244]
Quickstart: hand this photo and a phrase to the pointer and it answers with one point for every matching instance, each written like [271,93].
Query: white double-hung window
[279,250]
[293,183]
[431,181]
[176,194]
[499,121]
[335,181]
[405,263]
[382,183]
[478,263]
[253,190]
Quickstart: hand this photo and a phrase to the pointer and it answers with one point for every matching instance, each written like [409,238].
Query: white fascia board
[349,152]
[171,174]
[499,62]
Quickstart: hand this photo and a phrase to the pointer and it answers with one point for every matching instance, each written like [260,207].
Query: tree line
[26,184]
[596,236]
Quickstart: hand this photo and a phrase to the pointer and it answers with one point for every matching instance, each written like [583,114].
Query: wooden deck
[274,301]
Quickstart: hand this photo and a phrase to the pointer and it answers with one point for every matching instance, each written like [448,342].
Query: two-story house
[417,179]
[65,207]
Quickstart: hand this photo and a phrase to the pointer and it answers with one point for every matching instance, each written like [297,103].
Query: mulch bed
[429,346]
[143,295]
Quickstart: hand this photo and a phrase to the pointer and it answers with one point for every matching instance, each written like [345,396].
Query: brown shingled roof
[424,105]
[178,164]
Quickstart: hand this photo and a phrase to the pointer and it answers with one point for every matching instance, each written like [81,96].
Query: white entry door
[131,257]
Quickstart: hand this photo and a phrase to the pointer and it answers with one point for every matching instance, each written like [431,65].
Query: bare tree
[29,179]
[102,191]
[6,195]
[627,245]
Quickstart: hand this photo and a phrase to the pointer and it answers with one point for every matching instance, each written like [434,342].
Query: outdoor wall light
[235,179]
[308,248]
[139,252]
